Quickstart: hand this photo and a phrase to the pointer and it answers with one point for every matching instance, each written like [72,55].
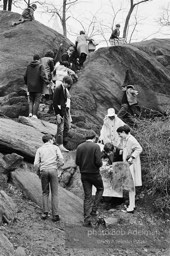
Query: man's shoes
[44,216]
[56,218]
[30,114]
[62,148]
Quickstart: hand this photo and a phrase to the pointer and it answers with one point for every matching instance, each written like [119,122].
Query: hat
[34,6]
[130,86]
[111,112]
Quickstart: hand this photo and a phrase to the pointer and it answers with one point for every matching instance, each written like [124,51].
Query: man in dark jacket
[88,158]
[61,111]
[34,78]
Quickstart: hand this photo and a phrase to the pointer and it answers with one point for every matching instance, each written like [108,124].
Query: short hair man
[35,78]
[48,159]
[88,158]
[27,15]
[59,102]
[131,153]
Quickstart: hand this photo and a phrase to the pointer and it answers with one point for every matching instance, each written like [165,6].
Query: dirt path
[42,238]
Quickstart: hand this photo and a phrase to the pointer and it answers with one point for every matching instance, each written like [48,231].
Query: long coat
[131,147]
[109,133]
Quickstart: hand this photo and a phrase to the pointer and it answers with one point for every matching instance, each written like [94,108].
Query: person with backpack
[27,15]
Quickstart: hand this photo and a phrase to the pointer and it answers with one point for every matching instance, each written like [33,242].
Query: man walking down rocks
[88,158]
[62,112]
[34,78]
[48,159]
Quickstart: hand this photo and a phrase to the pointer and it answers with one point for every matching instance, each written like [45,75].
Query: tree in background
[127,20]
[164,20]
[61,11]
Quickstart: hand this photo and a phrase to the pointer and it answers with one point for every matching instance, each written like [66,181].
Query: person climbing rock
[82,47]
[61,110]
[34,78]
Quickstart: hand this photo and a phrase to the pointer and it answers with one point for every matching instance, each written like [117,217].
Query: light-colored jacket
[109,133]
[131,147]
[82,46]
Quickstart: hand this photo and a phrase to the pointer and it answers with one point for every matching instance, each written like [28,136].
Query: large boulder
[19,138]
[18,45]
[8,208]
[70,206]
[99,84]
[6,247]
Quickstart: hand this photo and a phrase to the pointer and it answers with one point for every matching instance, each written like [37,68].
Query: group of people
[51,81]
[121,145]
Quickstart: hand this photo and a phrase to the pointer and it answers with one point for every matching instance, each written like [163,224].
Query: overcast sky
[147,13]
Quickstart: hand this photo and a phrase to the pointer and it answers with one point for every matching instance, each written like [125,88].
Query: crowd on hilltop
[50,80]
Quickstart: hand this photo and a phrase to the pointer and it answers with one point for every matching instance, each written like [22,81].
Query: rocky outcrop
[15,55]
[6,247]
[99,84]
[8,208]
[70,206]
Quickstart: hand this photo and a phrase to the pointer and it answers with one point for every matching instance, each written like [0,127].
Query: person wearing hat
[108,132]
[129,105]
[48,159]
[27,15]
[88,158]
[115,35]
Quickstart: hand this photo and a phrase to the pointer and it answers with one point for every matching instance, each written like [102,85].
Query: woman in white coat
[108,132]
[131,153]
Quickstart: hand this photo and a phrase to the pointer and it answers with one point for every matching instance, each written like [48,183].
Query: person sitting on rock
[48,159]
[61,110]
[115,35]
[27,15]
[34,78]
[108,132]
[129,105]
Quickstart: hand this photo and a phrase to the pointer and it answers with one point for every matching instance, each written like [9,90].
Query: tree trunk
[127,19]
[64,18]
[5,5]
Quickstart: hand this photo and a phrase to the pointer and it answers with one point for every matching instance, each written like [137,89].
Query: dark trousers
[88,180]
[62,129]
[34,102]
[82,58]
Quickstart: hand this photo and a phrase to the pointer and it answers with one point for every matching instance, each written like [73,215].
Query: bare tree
[164,20]
[61,12]
[132,6]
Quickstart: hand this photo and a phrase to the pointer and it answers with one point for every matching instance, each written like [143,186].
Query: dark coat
[35,77]
[59,99]
[88,157]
